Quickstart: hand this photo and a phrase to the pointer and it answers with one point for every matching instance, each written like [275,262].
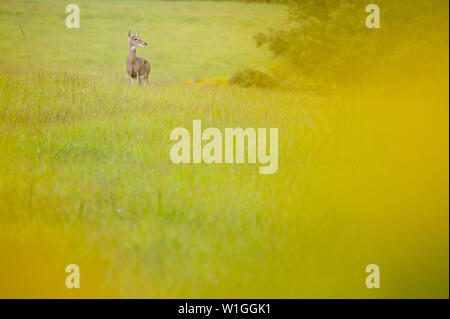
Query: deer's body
[138,68]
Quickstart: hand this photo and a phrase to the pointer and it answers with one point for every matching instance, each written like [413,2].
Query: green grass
[86,178]
[188,40]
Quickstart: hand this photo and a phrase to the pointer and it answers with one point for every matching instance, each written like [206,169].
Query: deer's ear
[137,34]
[129,35]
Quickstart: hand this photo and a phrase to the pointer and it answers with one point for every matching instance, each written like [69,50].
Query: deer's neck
[132,55]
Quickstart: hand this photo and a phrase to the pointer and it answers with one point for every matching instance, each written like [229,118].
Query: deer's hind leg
[145,79]
[147,72]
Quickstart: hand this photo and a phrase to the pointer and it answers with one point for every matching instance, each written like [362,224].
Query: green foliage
[252,78]
[328,39]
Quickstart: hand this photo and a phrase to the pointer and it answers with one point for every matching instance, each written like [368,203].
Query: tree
[328,39]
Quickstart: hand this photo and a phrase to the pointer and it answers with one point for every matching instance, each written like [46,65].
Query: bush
[252,78]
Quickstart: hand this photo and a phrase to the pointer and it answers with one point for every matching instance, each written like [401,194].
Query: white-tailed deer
[138,69]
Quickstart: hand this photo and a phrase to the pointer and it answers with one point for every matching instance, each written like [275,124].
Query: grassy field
[86,178]
[188,40]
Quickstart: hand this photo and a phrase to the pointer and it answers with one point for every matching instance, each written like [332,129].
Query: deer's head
[134,40]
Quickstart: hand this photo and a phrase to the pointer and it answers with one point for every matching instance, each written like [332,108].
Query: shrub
[252,78]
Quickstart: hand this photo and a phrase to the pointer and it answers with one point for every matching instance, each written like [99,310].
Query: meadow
[86,178]
[187,40]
